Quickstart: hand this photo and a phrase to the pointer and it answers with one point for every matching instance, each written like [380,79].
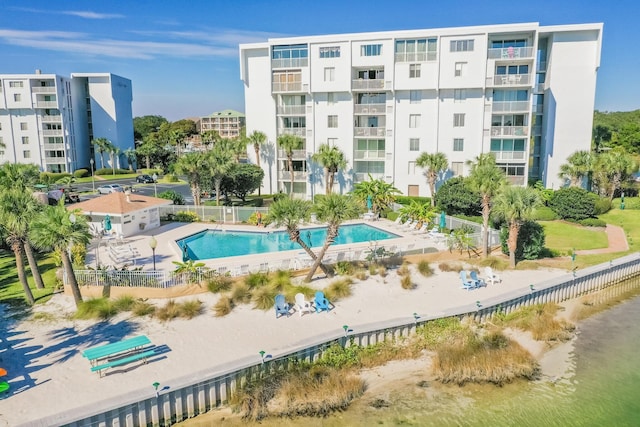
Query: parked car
[145,179]
[110,188]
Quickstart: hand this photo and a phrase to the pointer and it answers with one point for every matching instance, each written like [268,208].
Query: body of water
[220,243]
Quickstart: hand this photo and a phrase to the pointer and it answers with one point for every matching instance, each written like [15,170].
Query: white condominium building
[523,92]
[227,123]
[50,120]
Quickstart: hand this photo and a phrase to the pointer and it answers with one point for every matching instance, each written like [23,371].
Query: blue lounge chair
[282,307]
[467,284]
[320,302]
[479,281]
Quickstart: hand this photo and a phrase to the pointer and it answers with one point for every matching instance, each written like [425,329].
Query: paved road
[144,189]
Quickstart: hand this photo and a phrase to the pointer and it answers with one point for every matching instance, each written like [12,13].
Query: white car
[110,188]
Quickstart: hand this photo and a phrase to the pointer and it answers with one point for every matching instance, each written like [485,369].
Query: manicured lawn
[10,288]
[629,220]
[564,236]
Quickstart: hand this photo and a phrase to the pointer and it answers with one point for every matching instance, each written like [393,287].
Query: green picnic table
[118,353]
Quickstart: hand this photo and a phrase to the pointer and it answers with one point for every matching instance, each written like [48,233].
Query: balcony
[538,88]
[367,84]
[511,53]
[502,156]
[509,130]
[508,80]
[46,104]
[416,56]
[360,177]
[369,154]
[370,131]
[297,175]
[51,118]
[55,160]
[370,109]
[510,106]
[43,89]
[52,132]
[52,147]
[286,87]
[289,62]
[296,154]
[291,110]
[293,131]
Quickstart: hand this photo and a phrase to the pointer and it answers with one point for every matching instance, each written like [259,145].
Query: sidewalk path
[617,242]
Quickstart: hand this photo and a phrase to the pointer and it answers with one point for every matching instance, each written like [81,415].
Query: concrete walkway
[617,242]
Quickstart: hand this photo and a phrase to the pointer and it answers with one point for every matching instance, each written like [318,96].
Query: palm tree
[131,156]
[146,150]
[333,209]
[194,166]
[220,161]
[578,166]
[611,169]
[102,145]
[332,160]
[289,212]
[113,152]
[435,165]
[288,143]
[210,137]
[56,229]
[487,179]
[257,138]
[422,212]
[515,205]
[381,193]
[18,175]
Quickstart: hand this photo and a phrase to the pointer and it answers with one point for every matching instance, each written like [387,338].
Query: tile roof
[116,203]
[227,113]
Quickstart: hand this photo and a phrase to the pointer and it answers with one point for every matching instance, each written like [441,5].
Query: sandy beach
[48,374]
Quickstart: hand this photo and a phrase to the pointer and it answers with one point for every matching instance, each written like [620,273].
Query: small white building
[129,213]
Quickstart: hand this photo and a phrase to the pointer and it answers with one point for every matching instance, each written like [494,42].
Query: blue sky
[182,56]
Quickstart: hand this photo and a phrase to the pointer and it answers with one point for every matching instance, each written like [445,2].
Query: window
[414,71]
[331,99]
[458,120]
[458,144]
[414,120]
[460,66]
[15,84]
[23,126]
[26,154]
[370,50]
[415,96]
[456,168]
[332,121]
[25,139]
[17,97]
[412,168]
[416,50]
[290,51]
[461,46]
[502,70]
[332,142]
[459,95]
[330,52]
[414,144]
[329,74]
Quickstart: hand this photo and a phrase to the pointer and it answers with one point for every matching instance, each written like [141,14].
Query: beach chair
[479,281]
[409,224]
[398,221]
[321,303]
[282,307]
[302,305]
[467,283]
[491,276]
[356,255]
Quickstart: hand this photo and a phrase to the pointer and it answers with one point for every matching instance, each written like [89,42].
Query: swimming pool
[210,244]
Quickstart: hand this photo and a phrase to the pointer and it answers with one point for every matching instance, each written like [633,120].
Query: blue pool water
[220,243]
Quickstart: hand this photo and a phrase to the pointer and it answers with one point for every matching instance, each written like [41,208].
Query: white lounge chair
[491,276]
[302,305]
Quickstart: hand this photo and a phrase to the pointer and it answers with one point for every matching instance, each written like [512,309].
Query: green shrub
[602,205]
[544,213]
[256,280]
[81,173]
[344,268]
[150,171]
[455,197]
[629,202]
[530,243]
[171,178]
[219,283]
[96,308]
[406,200]
[592,222]
[172,195]
[264,298]
[425,269]
[124,303]
[190,309]
[109,171]
[224,306]
[51,177]
[186,216]
[573,203]
[143,308]
[338,289]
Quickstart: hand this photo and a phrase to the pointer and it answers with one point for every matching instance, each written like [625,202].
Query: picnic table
[118,353]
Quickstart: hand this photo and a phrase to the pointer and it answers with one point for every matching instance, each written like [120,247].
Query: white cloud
[91,15]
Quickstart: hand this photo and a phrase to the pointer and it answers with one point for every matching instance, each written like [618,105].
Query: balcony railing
[51,118]
[291,109]
[295,154]
[46,104]
[52,132]
[511,53]
[289,62]
[287,87]
[509,155]
[369,154]
[371,84]
[510,106]
[292,131]
[297,175]
[509,80]
[370,131]
[509,130]
[370,109]
[416,56]
[360,177]
[53,159]
[43,89]
[53,146]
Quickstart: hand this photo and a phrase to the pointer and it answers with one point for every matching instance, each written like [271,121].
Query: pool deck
[138,253]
